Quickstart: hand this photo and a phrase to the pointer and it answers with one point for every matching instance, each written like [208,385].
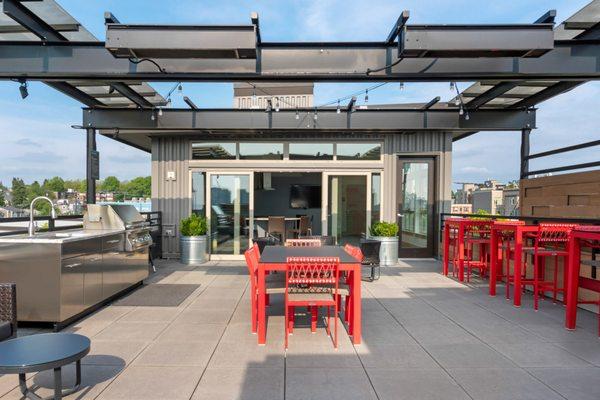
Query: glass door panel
[347,207]
[229,213]
[415,209]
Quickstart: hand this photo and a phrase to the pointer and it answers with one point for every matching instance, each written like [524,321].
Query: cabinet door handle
[72,265]
[95,259]
[113,241]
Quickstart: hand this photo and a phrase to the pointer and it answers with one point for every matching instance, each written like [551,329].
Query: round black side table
[44,352]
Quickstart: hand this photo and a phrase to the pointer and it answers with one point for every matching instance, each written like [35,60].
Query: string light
[452,86]
[460,110]
[338,108]
[160,112]
[457,100]
[276,104]
[297,114]
[315,116]
[467,116]
[401,85]
[367,96]
[180,88]
[152,117]
[253,93]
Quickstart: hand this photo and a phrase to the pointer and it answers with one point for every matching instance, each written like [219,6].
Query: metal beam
[248,120]
[491,94]
[525,133]
[190,103]
[131,94]
[350,106]
[546,94]
[431,103]
[565,168]
[33,23]
[547,18]
[565,149]
[398,27]
[326,62]
[463,136]
[75,93]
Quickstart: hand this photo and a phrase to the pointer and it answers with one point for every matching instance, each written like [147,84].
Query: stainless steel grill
[120,216]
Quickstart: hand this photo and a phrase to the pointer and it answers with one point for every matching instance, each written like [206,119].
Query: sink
[57,235]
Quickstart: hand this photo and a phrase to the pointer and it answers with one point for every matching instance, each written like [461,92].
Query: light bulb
[338,108]
[315,116]
[457,101]
[461,111]
[467,116]
[180,88]
[277,105]
[452,87]
[401,85]
[254,93]
[152,117]
[297,115]
[367,96]
[160,112]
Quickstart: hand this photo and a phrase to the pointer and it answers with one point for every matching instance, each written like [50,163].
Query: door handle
[72,265]
[113,241]
[95,259]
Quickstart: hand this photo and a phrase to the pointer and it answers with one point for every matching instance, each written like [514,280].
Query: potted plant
[193,239]
[387,234]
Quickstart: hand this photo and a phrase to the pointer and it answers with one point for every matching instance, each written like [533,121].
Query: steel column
[90,182]
[525,153]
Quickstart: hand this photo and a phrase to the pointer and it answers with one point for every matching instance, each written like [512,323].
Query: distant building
[461,208]
[487,199]
[282,95]
[463,195]
[510,202]
[13,212]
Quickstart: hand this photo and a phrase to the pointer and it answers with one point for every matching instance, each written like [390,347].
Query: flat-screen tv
[305,196]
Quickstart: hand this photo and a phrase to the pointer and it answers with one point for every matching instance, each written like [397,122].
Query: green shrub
[194,225]
[385,229]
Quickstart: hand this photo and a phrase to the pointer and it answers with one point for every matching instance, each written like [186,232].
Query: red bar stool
[477,233]
[549,241]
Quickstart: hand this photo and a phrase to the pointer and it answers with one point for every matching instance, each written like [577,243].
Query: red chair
[477,233]
[303,243]
[274,284]
[312,282]
[549,241]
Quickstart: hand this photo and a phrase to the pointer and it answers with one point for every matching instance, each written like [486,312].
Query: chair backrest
[370,251]
[303,243]
[312,271]
[354,251]
[265,241]
[8,306]
[252,258]
[480,228]
[304,225]
[276,224]
[554,233]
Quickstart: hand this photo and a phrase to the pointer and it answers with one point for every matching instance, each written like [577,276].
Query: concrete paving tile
[389,356]
[184,353]
[236,354]
[151,314]
[111,352]
[434,384]
[153,383]
[439,332]
[502,384]
[204,316]
[572,383]
[589,351]
[241,384]
[132,331]
[328,384]
[186,332]
[385,333]
[468,355]
[539,355]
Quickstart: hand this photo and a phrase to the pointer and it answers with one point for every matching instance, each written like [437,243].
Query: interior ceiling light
[23,89]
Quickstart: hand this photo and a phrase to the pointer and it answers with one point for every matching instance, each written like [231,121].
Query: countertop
[58,237]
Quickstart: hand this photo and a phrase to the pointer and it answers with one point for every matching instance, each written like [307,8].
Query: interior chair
[276,228]
[551,240]
[312,282]
[370,257]
[262,242]
[304,227]
[8,311]
[274,283]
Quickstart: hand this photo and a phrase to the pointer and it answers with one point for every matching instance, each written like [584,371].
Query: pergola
[515,66]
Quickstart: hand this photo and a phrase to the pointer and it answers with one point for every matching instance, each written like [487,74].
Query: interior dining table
[273,258]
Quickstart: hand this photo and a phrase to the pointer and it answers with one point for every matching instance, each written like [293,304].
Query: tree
[3,190]
[19,193]
[78,185]
[110,184]
[56,184]
[138,187]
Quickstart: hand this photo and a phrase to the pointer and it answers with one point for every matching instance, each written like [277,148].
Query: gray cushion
[5,330]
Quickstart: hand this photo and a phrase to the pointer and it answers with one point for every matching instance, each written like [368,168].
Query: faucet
[31,225]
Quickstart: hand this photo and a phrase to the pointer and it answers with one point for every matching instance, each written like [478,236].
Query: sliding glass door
[230,213]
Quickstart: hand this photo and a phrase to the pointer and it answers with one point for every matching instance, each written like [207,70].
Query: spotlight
[23,89]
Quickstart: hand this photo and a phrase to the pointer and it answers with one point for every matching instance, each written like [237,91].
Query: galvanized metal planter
[193,249]
[388,253]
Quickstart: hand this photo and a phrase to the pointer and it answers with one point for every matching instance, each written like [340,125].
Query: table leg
[493,261]
[262,318]
[356,305]
[446,248]
[518,256]
[572,283]
[57,384]
[461,252]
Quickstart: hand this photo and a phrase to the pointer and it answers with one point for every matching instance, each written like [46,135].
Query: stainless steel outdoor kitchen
[62,275]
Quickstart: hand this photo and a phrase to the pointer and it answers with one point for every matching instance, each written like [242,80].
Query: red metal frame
[588,236]
[252,258]
[477,232]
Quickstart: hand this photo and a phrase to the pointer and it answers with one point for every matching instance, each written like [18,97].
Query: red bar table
[577,235]
[497,228]
[459,224]
[273,258]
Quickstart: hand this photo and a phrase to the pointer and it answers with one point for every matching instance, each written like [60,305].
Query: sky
[37,141]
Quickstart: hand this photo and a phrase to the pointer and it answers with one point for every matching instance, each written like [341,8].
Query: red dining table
[273,258]
[576,237]
[518,230]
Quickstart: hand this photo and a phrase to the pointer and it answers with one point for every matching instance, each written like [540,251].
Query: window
[358,151]
[261,151]
[311,151]
[213,151]
[198,193]
[375,197]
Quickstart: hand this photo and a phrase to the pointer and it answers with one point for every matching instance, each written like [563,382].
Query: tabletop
[46,351]
[279,254]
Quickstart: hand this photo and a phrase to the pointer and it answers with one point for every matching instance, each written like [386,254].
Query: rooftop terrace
[425,336]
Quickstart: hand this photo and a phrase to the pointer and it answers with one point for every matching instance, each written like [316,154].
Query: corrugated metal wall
[171,196]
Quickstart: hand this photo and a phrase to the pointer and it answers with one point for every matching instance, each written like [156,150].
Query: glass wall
[311,151]
[213,151]
[375,197]
[229,213]
[198,193]
[415,210]
[261,151]
[347,213]
[358,151]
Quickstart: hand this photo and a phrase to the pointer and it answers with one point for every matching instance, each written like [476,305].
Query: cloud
[27,142]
